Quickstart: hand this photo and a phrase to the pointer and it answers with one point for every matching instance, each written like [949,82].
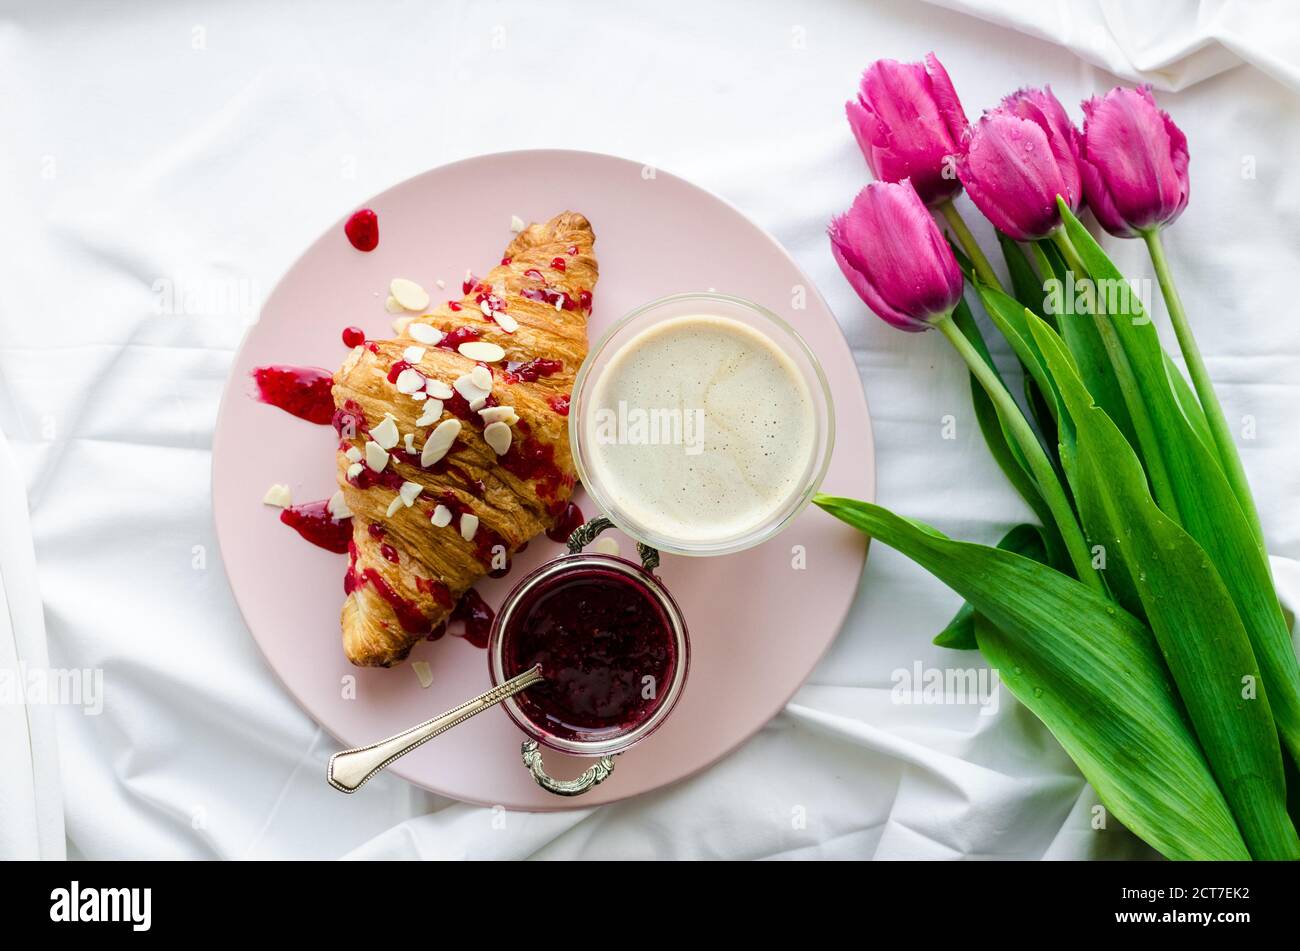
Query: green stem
[1045,270]
[1161,487]
[1229,458]
[968,244]
[1039,464]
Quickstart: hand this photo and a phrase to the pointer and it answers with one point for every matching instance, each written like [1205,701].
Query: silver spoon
[349,770]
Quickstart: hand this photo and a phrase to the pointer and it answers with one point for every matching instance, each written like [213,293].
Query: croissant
[453,437]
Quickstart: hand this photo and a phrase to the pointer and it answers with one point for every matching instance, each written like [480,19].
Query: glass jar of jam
[612,646]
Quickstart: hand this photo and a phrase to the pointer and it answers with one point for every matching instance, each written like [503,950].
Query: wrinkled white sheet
[204,146]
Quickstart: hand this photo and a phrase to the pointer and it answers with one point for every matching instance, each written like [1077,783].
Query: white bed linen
[206,145]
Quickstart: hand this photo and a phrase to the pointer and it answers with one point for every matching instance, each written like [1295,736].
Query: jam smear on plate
[569,520]
[313,522]
[302,391]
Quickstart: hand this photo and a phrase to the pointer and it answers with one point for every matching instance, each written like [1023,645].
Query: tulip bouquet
[1137,619]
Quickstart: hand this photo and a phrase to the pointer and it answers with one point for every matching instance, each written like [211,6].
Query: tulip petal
[891,251]
[1141,158]
[945,99]
[904,120]
[1012,173]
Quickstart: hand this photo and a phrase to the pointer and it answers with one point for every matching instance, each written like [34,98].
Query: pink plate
[759,620]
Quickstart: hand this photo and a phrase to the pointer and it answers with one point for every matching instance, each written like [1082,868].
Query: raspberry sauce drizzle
[313,522]
[565,524]
[300,391]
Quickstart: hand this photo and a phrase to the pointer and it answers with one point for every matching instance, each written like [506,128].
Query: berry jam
[532,371]
[606,647]
[559,403]
[477,617]
[313,522]
[531,459]
[353,336]
[362,230]
[558,264]
[549,296]
[568,521]
[302,391]
[453,339]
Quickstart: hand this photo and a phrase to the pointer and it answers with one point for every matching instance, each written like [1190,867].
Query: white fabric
[199,148]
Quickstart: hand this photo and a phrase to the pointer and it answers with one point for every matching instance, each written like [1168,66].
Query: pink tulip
[908,121]
[1018,158]
[1134,162]
[891,251]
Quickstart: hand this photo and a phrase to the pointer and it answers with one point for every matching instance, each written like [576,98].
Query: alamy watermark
[32,686]
[1087,297]
[181,295]
[939,686]
[658,426]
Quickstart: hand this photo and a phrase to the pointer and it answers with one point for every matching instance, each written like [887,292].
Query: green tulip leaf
[1203,500]
[1090,672]
[1190,612]
[1024,540]
[1006,453]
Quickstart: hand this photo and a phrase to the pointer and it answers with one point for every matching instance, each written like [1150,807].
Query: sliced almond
[441,283]
[419,396]
[482,377]
[376,456]
[337,506]
[505,321]
[399,323]
[409,492]
[498,436]
[499,414]
[486,308]
[439,441]
[467,388]
[424,333]
[437,389]
[409,294]
[392,306]
[386,433]
[409,441]
[441,517]
[413,354]
[279,496]
[422,672]
[516,224]
[468,526]
[410,380]
[353,454]
[478,404]
[484,351]
[355,470]
[432,410]
[394,505]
